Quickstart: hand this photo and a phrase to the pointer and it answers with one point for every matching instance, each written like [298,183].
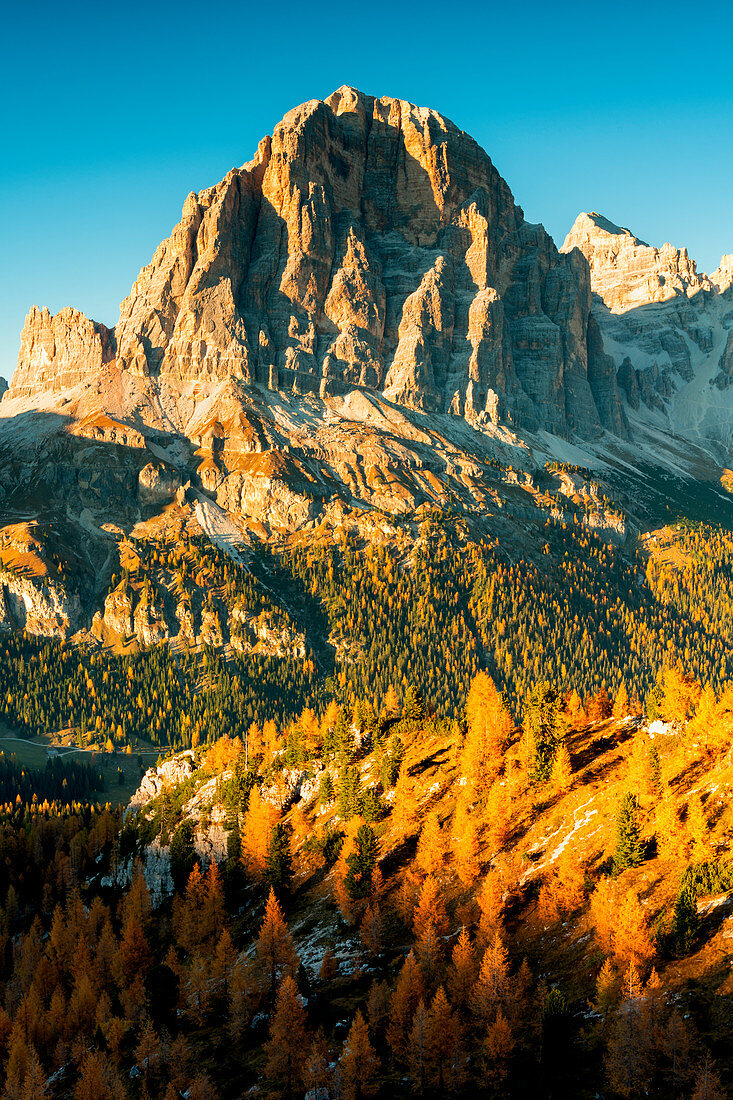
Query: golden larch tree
[371,929]
[489,727]
[391,704]
[621,706]
[287,1041]
[275,951]
[430,855]
[404,806]
[496,815]
[465,844]
[462,971]
[317,1072]
[680,695]
[630,936]
[408,992]
[562,769]
[259,820]
[491,988]
[491,905]
[442,1038]
[608,990]
[359,1062]
[417,1048]
[603,912]
[498,1045]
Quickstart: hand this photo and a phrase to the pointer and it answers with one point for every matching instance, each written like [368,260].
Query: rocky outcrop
[312,336]
[666,326]
[155,863]
[118,606]
[184,614]
[369,243]
[250,633]
[725,377]
[211,632]
[163,777]
[149,622]
[625,271]
[603,381]
[157,485]
[145,613]
[645,296]
[57,352]
[38,605]
[722,277]
[269,487]
[293,785]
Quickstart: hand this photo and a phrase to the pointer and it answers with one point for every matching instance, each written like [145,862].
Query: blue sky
[113,114]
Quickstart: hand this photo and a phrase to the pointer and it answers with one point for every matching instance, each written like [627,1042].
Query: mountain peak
[595,224]
[371,244]
[722,277]
[626,272]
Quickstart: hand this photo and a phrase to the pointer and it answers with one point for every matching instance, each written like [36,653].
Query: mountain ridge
[368,243]
[355,328]
[668,328]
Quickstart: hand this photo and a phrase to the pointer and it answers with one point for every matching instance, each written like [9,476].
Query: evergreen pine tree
[279,864]
[343,737]
[685,921]
[325,789]
[541,716]
[348,793]
[182,854]
[629,848]
[413,708]
[361,862]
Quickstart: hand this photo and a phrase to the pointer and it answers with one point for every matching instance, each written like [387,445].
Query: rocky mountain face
[370,243]
[355,326]
[668,328]
[58,352]
[625,271]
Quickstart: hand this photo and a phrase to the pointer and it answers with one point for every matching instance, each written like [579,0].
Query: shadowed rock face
[370,243]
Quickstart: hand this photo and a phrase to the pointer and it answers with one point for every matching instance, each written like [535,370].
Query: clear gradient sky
[113,113]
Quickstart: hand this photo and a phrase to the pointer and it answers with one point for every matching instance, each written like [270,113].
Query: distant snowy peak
[668,328]
[625,271]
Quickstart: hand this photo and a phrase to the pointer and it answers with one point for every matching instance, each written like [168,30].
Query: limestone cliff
[668,328]
[625,271]
[370,243]
[57,352]
[37,605]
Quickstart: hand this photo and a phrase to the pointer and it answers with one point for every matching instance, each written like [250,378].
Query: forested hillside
[429,613]
[376,901]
